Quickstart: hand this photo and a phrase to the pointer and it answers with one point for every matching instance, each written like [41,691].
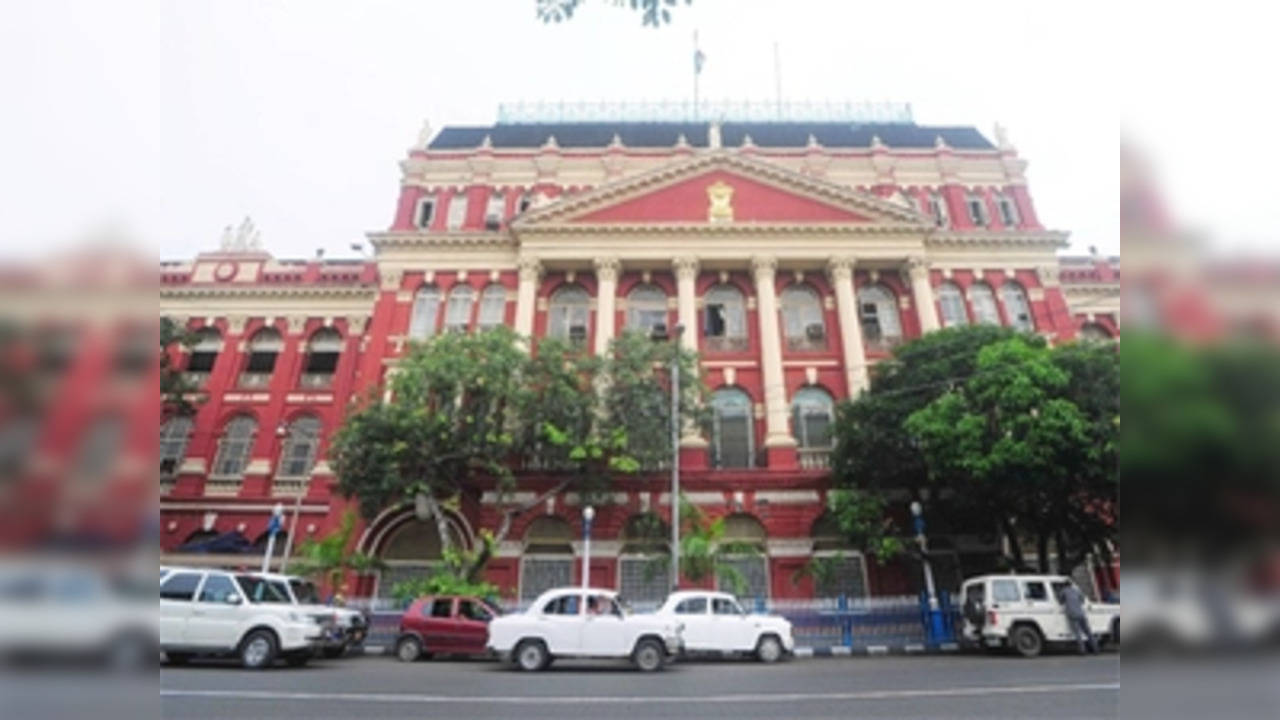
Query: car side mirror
[233,599]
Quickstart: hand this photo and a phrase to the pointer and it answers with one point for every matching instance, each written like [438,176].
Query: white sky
[169,120]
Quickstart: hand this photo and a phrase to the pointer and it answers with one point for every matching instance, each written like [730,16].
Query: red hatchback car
[444,625]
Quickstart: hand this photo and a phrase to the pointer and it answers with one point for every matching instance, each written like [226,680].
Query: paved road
[884,687]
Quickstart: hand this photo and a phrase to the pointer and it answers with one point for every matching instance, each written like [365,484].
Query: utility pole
[675,458]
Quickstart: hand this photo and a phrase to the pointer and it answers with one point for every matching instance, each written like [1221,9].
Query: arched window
[845,571]
[457,314]
[812,411]
[938,208]
[1094,332]
[323,350]
[802,321]
[732,436]
[413,551]
[952,302]
[264,348]
[548,556]
[426,310]
[878,309]
[493,307]
[725,320]
[298,453]
[1008,210]
[567,314]
[457,211]
[1016,306]
[174,435]
[646,309]
[203,355]
[977,209]
[744,538]
[644,571]
[234,447]
[984,304]
[494,210]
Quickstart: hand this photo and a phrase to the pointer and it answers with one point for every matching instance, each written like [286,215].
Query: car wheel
[298,659]
[768,650]
[258,650]
[408,649]
[648,655]
[532,655]
[1026,641]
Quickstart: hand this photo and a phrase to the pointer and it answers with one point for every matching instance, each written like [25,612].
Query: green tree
[653,13]
[704,553]
[174,387]
[1013,445]
[329,559]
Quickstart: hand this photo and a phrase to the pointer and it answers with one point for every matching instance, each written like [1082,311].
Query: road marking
[637,699]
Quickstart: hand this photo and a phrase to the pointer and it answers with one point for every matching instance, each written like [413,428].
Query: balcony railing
[316,381]
[726,344]
[195,380]
[814,458]
[254,380]
[290,486]
[223,486]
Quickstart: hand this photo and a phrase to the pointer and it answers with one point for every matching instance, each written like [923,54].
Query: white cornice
[722,229]
[368,292]
[996,238]
[435,239]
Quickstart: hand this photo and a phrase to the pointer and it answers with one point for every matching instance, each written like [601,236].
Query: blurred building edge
[78,411]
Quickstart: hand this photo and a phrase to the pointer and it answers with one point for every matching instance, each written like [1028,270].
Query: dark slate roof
[664,135]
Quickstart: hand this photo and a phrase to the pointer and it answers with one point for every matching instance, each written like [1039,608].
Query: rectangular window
[754,575]
[692,606]
[735,442]
[1008,213]
[426,212]
[457,211]
[540,574]
[644,579]
[977,211]
[442,608]
[1005,591]
[180,586]
[1035,591]
[494,211]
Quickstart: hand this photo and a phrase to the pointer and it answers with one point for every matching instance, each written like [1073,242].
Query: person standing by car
[1073,605]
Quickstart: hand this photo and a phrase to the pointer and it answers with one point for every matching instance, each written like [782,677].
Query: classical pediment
[721,189]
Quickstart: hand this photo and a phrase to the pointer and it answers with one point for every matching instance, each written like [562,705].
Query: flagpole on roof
[697,70]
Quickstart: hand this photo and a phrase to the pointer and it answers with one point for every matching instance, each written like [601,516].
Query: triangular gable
[723,189]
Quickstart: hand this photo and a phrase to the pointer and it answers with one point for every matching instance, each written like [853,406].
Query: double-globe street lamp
[936,627]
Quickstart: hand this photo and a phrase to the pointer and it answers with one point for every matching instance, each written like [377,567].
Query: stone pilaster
[922,289]
[777,435]
[526,295]
[607,269]
[840,269]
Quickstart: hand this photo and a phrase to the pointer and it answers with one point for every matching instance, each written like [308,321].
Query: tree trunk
[442,522]
[1042,552]
[1015,548]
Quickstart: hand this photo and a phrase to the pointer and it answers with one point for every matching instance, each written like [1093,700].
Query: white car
[216,612]
[349,626]
[1022,612]
[586,623]
[715,622]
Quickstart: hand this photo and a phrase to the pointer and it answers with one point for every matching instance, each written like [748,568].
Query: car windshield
[261,590]
[305,592]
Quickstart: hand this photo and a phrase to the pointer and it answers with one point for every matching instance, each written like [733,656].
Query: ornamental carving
[840,269]
[686,267]
[917,267]
[356,324]
[764,265]
[1048,275]
[391,278]
[607,269]
[530,269]
[720,199]
[296,323]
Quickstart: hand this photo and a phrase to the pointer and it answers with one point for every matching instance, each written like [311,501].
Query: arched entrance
[744,537]
[547,561]
[409,546]
[644,563]
[837,568]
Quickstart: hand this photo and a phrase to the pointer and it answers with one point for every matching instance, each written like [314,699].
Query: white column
[775,391]
[606,301]
[686,269]
[527,295]
[922,289]
[855,359]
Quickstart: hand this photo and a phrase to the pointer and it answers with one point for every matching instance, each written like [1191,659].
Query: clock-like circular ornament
[225,270]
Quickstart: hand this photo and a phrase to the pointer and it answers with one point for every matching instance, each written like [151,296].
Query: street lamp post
[936,627]
[588,514]
[273,527]
[675,459]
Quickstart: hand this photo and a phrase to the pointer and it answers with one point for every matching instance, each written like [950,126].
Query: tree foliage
[174,387]
[329,560]
[653,13]
[704,553]
[1004,432]
[863,517]
[466,410]
[456,575]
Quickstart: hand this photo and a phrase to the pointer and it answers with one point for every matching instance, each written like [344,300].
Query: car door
[177,596]
[438,633]
[1042,606]
[698,632]
[216,613]
[472,625]
[733,628]
[560,622]
[603,634]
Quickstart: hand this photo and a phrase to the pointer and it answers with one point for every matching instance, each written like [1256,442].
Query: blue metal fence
[819,622]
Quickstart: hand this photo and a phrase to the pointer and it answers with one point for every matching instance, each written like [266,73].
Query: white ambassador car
[583,623]
[714,622]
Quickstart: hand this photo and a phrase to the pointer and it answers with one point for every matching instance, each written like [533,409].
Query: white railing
[254,380]
[316,381]
[814,458]
[289,486]
[760,111]
[222,486]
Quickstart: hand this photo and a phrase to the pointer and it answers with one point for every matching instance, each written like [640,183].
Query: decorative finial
[682,141]
[1002,138]
[813,142]
[551,143]
[747,141]
[424,135]
[713,134]
[245,238]
[487,143]
[616,142]
[877,143]
[941,144]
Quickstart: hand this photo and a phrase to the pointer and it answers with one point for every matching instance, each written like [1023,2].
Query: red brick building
[795,254]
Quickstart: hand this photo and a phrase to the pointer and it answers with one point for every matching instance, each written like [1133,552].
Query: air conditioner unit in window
[492,221]
[658,332]
[578,333]
[815,331]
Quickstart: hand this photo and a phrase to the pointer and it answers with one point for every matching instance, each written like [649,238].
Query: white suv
[579,622]
[349,626]
[1022,612]
[216,612]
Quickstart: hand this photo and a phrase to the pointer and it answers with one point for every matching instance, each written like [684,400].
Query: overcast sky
[169,120]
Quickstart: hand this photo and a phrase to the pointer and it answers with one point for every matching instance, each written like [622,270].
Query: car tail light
[992,619]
